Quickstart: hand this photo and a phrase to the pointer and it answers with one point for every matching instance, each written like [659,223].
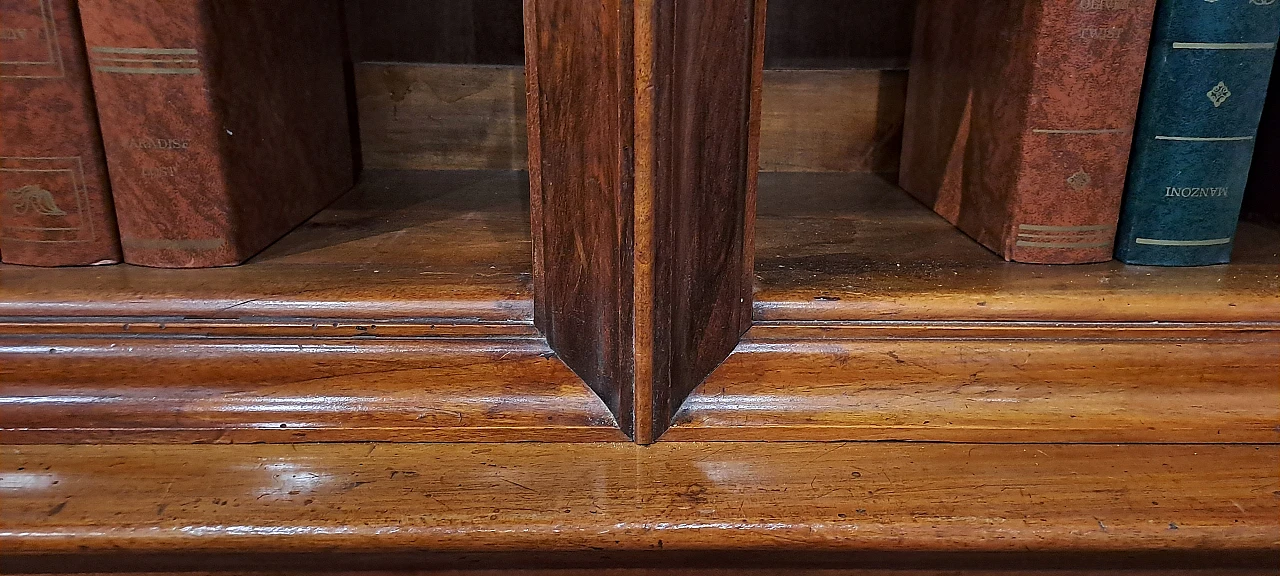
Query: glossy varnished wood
[401,313]
[148,386]
[578,67]
[852,247]
[887,497]
[706,69]
[453,246]
[993,382]
[642,163]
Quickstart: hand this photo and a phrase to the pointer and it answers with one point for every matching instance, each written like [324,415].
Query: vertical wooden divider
[644,123]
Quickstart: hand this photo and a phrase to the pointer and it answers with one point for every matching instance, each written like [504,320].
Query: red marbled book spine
[225,122]
[1019,120]
[55,199]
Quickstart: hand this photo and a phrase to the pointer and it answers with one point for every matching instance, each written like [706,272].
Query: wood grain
[447,117]
[992,382]
[442,117]
[153,388]
[446,246]
[597,498]
[578,69]
[832,120]
[706,101]
[642,176]
[851,247]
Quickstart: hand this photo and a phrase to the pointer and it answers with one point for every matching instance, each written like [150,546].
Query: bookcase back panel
[440,84]
[471,117]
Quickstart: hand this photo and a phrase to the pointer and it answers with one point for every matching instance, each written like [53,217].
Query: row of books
[1069,131]
[204,130]
[169,133]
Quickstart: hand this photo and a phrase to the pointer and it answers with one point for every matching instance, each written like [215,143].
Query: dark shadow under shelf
[854,247]
[402,245]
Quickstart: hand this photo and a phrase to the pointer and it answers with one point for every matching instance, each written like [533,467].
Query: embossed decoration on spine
[56,208]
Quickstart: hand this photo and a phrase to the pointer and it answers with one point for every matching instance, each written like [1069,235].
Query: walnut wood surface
[156,388]
[198,501]
[992,382]
[706,67]
[578,69]
[852,247]
[452,246]
[642,172]
[442,117]
[458,117]
[832,120]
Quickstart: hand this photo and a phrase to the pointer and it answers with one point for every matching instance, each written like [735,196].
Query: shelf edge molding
[643,145]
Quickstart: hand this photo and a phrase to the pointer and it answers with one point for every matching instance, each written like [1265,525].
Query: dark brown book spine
[55,201]
[225,121]
[1019,120]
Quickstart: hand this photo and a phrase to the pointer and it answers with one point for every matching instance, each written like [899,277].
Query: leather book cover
[1201,105]
[1019,119]
[55,200]
[225,122]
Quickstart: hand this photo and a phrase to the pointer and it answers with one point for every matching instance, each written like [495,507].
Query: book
[1204,92]
[1019,119]
[55,199]
[225,122]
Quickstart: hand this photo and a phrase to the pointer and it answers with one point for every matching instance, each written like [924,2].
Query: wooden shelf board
[991,383]
[843,246]
[401,245]
[148,388]
[592,498]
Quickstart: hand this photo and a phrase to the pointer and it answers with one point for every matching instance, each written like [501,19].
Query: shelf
[401,313]
[306,506]
[403,245]
[853,247]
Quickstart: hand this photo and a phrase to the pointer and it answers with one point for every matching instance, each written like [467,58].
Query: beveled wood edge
[149,326]
[479,311]
[986,330]
[266,435]
[870,498]
[951,307]
[802,336]
[550,404]
[644,45]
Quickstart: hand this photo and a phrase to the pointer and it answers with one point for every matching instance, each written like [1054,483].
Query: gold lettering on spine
[32,49]
[1194,192]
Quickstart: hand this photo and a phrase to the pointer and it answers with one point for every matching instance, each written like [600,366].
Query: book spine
[1205,89]
[55,199]
[151,76]
[1019,119]
[1089,57]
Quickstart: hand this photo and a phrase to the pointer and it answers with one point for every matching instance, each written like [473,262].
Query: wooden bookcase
[623,276]
[663,289]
